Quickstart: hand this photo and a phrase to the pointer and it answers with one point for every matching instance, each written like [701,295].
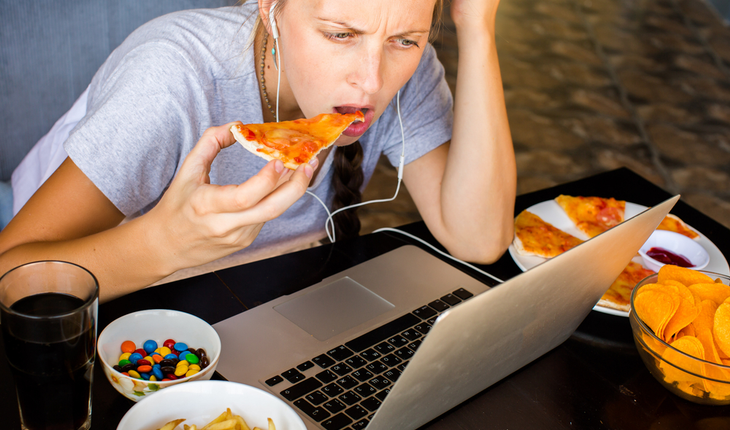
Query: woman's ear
[267,10]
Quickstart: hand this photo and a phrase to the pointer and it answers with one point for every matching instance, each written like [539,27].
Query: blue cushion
[50,50]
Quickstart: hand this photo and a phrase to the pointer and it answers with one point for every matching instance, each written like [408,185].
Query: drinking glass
[48,316]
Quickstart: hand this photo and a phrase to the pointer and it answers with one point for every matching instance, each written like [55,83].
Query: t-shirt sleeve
[143,116]
[426,106]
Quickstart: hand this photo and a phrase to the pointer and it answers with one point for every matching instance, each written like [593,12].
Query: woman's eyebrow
[356,30]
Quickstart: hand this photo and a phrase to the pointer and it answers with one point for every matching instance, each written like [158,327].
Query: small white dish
[676,244]
[199,402]
[157,325]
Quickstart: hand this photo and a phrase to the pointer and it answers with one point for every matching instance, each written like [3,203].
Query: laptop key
[450,299]
[404,353]
[370,355]
[423,328]
[350,398]
[392,375]
[332,390]
[323,361]
[438,305]
[334,406]
[384,348]
[356,362]
[390,360]
[336,422]
[382,394]
[371,403]
[424,312]
[360,425]
[362,375]
[414,345]
[314,412]
[398,341]
[341,369]
[340,353]
[316,398]
[305,366]
[381,333]
[275,380]
[431,321]
[365,390]
[292,375]
[298,390]
[463,294]
[356,412]
[402,366]
[411,334]
[376,367]
[379,383]
[326,376]
[347,382]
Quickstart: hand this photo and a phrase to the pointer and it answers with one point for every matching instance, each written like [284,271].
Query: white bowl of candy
[666,247]
[146,351]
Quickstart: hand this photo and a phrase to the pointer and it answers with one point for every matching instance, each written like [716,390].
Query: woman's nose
[368,77]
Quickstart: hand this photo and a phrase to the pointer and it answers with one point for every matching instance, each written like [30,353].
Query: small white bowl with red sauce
[666,247]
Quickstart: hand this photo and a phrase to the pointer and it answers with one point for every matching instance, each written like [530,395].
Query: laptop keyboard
[342,388]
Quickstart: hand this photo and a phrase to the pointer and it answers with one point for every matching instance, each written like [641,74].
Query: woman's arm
[194,222]
[465,190]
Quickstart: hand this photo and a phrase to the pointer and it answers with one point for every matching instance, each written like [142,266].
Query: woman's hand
[200,222]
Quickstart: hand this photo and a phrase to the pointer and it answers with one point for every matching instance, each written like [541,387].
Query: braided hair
[347,181]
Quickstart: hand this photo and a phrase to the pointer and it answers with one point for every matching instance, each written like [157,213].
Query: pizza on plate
[294,142]
[533,236]
[592,215]
[675,224]
[618,295]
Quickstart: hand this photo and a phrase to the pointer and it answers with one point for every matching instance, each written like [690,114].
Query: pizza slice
[618,295]
[592,215]
[533,236]
[675,224]
[294,142]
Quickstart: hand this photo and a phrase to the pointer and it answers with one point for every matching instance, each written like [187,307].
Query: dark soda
[53,370]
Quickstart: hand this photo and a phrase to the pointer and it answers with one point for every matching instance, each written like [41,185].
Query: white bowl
[200,402]
[677,244]
[158,325]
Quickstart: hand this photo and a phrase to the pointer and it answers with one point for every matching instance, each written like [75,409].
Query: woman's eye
[407,43]
[338,36]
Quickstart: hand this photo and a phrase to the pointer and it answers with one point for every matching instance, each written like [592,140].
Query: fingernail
[278,166]
[313,162]
[308,170]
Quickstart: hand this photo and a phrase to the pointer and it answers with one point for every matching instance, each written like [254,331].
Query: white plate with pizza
[550,212]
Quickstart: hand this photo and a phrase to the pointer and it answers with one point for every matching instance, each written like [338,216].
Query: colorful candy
[173,360]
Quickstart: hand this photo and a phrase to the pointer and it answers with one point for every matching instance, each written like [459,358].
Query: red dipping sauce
[668,257]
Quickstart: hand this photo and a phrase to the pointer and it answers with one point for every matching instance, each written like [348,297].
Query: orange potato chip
[656,307]
[713,372]
[706,317]
[676,365]
[687,331]
[682,274]
[721,329]
[685,314]
[717,292]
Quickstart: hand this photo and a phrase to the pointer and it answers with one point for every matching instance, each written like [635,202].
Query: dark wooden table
[594,380]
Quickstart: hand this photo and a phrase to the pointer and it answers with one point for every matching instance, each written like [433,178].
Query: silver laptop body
[471,345]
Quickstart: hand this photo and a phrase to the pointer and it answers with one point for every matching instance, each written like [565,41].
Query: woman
[132,153]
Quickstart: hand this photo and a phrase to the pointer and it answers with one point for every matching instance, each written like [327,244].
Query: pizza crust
[252,147]
[611,305]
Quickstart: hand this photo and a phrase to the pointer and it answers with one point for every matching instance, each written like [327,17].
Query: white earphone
[272,21]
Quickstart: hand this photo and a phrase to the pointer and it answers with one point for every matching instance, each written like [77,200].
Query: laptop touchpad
[334,308]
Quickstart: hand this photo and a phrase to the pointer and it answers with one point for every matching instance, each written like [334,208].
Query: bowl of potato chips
[212,405]
[680,320]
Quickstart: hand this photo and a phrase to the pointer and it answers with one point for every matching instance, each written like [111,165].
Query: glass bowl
[688,377]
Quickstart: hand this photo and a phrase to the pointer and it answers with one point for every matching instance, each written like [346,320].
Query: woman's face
[347,55]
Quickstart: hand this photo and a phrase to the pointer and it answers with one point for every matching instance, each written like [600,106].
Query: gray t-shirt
[179,74]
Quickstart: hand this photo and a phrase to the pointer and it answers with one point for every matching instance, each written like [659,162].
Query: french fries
[225,421]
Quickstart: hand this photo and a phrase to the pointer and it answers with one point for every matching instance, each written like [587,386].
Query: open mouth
[350,109]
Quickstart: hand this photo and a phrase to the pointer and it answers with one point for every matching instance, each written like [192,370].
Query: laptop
[398,340]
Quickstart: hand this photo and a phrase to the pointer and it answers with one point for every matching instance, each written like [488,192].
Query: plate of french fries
[212,405]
